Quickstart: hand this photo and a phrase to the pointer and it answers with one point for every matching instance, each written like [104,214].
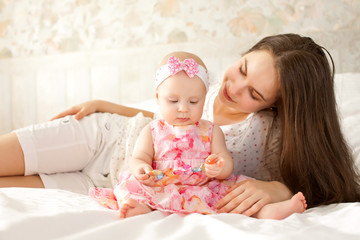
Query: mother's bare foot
[132,208]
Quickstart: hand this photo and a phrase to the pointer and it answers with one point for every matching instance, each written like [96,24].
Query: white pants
[70,154]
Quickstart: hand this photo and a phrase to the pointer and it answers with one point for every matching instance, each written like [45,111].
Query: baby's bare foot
[281,210]
[132,208]
[299,203]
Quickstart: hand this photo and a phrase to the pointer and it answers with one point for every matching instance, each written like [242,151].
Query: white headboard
[54,54]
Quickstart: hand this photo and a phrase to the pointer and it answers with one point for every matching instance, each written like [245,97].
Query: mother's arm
[249,196]
[93,106]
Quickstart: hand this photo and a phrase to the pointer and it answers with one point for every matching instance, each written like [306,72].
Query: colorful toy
[210,161]
[187,170]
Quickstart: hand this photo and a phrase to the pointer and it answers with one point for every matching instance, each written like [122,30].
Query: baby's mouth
[183,119]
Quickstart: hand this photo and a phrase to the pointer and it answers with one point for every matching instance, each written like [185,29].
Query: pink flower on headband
[188,65]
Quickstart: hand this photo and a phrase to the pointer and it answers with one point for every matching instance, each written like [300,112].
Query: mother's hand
[80,110]
[249,196]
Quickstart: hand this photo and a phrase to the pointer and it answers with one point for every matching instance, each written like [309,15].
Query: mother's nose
[237,87]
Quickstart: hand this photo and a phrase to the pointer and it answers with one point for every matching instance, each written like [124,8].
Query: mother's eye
[254,95]
[241,70]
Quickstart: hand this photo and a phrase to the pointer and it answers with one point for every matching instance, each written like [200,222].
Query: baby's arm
[219,164]
[89,107]
[141,162]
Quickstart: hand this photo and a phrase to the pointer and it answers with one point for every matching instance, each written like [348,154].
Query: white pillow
[347,88]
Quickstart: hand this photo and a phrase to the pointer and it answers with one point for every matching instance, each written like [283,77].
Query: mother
[277,108]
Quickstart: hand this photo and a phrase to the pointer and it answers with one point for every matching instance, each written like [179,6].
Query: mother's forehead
[262,73]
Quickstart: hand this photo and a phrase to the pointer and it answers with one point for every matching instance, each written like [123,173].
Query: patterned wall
[42,27]
[57,53]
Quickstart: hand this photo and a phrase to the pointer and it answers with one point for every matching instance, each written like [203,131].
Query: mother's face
[251,83]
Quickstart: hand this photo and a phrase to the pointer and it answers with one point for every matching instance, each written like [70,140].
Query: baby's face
[181,99]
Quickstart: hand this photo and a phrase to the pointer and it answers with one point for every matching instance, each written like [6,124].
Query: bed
[57,214]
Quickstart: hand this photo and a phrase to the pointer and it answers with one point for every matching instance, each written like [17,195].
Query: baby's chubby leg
[131,207]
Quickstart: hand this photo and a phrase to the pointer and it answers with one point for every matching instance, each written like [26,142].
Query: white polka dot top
[247,141]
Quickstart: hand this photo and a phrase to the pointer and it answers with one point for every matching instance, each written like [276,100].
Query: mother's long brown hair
[315,158]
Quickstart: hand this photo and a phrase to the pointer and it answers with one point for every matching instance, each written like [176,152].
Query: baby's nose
[182,108]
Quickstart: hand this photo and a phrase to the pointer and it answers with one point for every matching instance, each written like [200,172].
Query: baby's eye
[173,100]
[194,100]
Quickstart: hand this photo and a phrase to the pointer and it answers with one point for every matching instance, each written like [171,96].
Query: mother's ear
[273,107]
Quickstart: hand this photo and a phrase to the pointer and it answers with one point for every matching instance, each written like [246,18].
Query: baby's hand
[213,166]
[145,177]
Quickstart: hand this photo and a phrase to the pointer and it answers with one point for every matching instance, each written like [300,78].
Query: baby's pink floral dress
[183,187]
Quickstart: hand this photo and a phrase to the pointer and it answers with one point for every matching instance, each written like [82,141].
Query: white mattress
[56,214]
[52,214]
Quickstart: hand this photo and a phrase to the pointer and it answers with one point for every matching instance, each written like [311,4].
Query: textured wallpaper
[57,53]
[43,27]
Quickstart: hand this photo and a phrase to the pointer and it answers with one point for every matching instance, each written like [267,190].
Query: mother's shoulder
[268,113]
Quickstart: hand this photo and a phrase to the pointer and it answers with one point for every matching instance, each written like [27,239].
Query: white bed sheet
[56,214]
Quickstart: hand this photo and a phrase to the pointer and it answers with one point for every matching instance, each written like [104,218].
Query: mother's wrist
[283,192]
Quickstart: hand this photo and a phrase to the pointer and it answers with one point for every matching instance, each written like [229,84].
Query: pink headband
[174,66]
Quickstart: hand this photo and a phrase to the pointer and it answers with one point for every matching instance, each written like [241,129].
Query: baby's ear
[157,96]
